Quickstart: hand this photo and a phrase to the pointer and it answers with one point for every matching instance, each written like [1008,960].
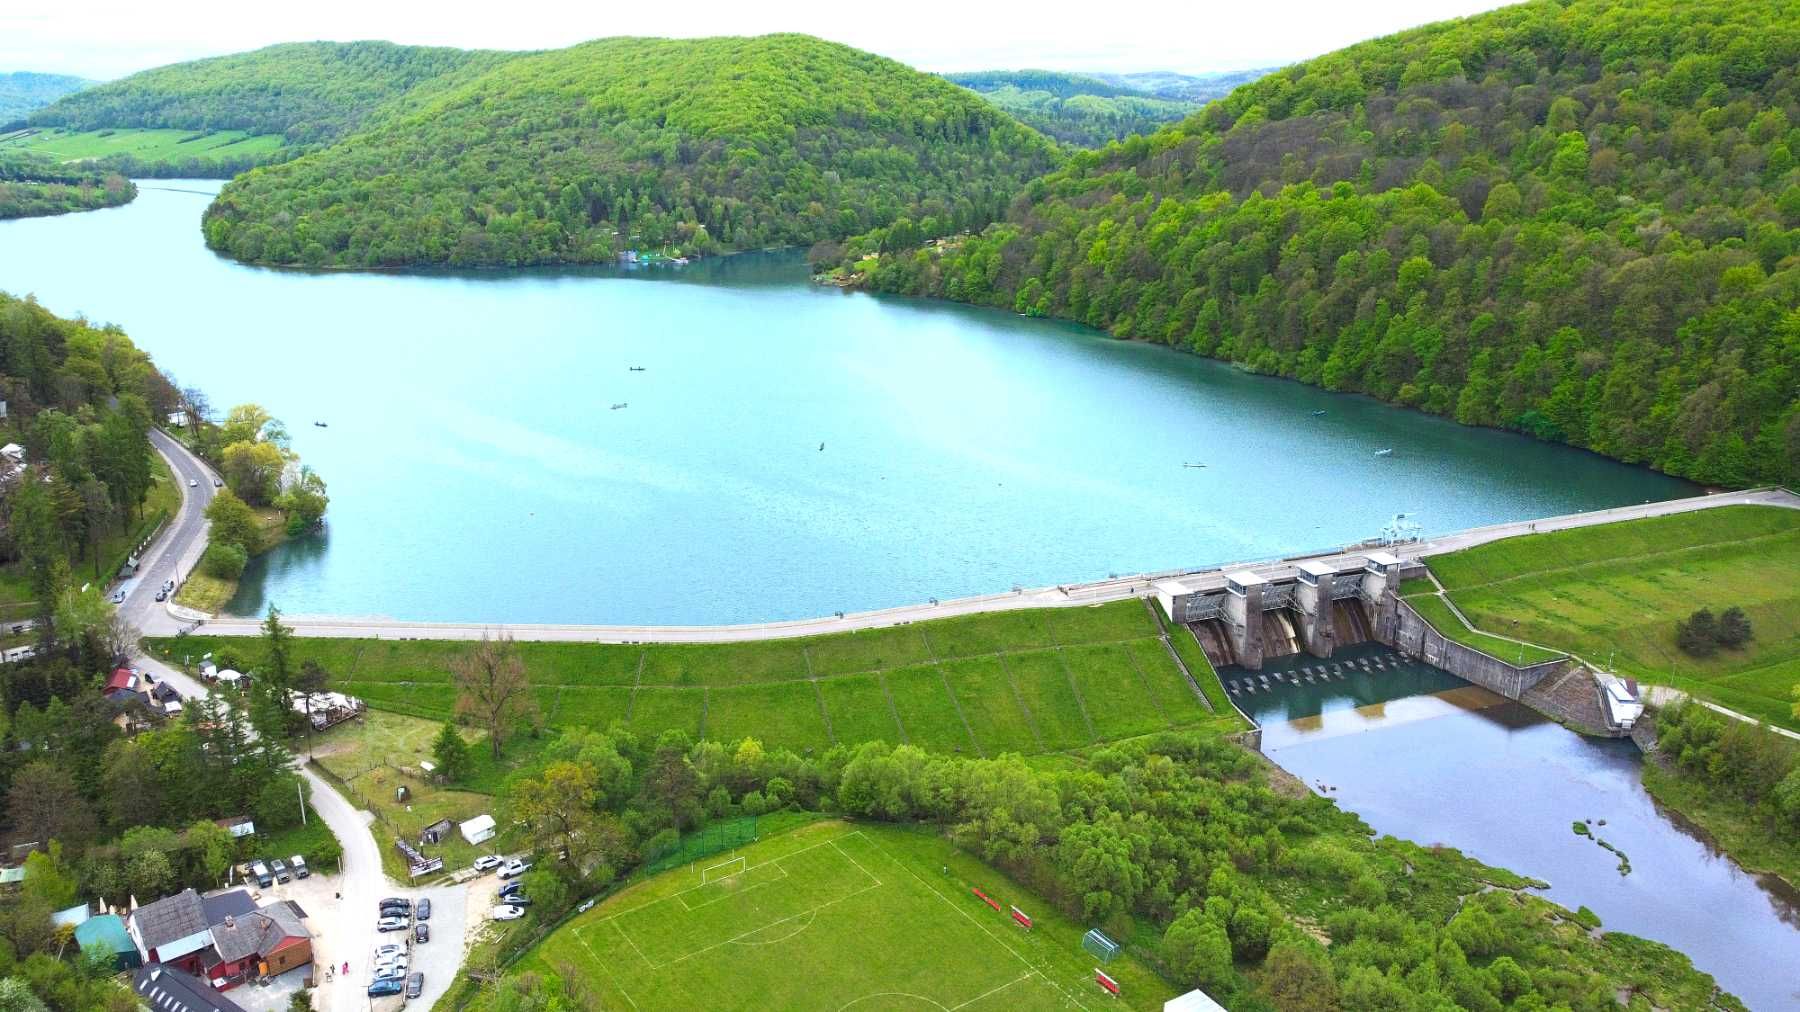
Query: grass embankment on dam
[1612,593]
[1030,681]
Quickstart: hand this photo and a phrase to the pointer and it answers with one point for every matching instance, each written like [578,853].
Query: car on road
[193,483]
[415,985]
[119,596]
[280,868]
[382,988]
[514,868]
[487,862]
[218,483]
[508,912]
[391,924]
[162,595]
[298,863]
[423,911]
[421,933]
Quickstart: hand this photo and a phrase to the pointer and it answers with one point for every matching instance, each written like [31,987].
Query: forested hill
[1074,108]
[21,92]
[696,145]
[309,92]
[1579,220]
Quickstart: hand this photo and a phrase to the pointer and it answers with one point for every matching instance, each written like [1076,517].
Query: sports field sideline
[836,916]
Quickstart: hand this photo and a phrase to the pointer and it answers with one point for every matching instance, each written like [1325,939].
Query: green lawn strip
[435,701]
[988,702]
[1115,697]
[783,714]
[1631,539]
[724,663]
[826,915]
[658,708]
[926,709]
[311,841]
[593,707]
[1417,585]
[859,709]
[1754,839]
[1182,639]
[989,633]
[581,663]
[146,144]
[1170,689]
[867,650]
[1043,683]
[1434,610]
[1100,623]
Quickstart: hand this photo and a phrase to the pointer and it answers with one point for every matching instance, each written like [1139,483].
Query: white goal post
[722,870]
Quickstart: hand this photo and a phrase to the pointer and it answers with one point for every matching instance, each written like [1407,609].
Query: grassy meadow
[1034,681]
[829,916]
[173,146]
[1614,592]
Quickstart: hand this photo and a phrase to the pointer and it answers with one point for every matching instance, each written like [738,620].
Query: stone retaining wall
[1415,637]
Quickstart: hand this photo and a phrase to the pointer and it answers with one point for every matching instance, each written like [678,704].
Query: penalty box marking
[874,883]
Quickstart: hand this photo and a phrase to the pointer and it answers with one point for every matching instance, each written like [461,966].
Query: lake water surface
[787,451]
[1424,756]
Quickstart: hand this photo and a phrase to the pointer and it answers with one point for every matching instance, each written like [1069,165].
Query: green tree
[451,754]
[1198,951]
[492,687]
[234,522]
[1698,634]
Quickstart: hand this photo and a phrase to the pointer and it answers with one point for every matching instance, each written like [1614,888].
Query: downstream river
[786,451]
[1428,757]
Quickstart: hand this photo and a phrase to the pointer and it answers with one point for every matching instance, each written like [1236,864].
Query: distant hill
[1090,110]
[1185,87]
[697,144]
[1578,220]
[308,92]
[22,92]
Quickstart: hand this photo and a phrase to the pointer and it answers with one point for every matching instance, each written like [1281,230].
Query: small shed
[238,826]
[436,832]
[480,829]
[107,933]
[1194,1001]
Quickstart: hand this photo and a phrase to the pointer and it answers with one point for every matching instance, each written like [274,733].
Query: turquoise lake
[786,451]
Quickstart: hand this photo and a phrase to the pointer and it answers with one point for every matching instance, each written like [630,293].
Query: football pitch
[834,916]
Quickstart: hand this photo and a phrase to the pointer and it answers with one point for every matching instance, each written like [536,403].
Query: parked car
[382,988]
[487,862]
[218,483]
[514,868]
[415,985]
[391,924]
[119,596]
[387,965]
[518,899]
[397,901]
[508,912]
[423,911]
[382,950]
[587,904]
[260,872]
[511,887]
[162,595]
[280,868]
[421,933]
[298,863]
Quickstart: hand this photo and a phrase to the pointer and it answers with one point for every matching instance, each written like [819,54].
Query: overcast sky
[112,38]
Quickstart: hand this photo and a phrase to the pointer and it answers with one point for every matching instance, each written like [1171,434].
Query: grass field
[1614,592]
[147,145]
[1026,681]
[834,916]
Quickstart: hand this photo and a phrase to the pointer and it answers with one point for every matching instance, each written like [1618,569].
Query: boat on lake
[616,407]
[321,425]
[1388,452]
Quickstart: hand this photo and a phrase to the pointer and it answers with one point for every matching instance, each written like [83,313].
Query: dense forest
[22,92]
[35,186]
[1074,108]
[699,145]
[1269,897]
[1577,220]
[1186,87]
[309,92]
